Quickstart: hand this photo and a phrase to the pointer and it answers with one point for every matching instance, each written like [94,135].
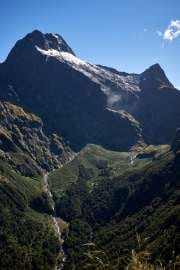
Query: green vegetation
[94,162]
[95,259]
[25,146]
[27,239]
[106,199]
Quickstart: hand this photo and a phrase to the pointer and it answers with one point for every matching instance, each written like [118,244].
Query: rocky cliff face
[85,103]
[176,142]
[41,76]
[158,106]
[24,145]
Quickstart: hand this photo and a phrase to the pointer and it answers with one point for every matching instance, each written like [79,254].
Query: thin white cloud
[173,30]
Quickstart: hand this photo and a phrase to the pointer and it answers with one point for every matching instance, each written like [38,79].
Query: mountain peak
[49,41]
[156,75]
[27,46]
[156,69]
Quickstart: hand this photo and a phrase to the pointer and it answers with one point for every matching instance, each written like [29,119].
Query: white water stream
[60,263]
[132,157]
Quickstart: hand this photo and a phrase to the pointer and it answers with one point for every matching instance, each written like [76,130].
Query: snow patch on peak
[48,41]
[55,35]
[111,83]
[62,56]
[48,52]
[68,57]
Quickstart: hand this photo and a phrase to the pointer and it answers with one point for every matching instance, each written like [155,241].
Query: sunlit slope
[107,197]
[94,162]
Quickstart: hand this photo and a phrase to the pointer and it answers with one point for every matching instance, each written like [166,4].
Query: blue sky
[116,33]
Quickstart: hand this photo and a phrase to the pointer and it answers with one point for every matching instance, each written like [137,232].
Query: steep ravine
[61,258]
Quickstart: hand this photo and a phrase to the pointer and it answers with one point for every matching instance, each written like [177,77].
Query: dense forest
[108,202]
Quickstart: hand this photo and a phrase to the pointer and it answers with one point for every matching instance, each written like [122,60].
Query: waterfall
[60,264]
[132,157]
